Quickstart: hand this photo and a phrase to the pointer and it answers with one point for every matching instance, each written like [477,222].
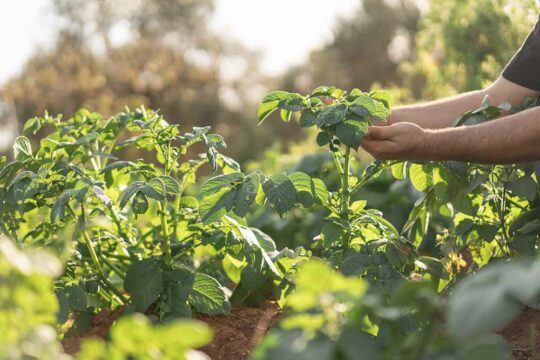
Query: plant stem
[166,238]
[97,263]
[345,191]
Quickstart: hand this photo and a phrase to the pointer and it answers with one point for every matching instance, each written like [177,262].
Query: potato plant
[138,238]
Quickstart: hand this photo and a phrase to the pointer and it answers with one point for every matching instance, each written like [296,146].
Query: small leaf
[269,104]
[22,149]
[323,139]
[140,203]
[59,207]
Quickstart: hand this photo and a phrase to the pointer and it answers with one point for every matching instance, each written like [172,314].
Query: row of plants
[145,237]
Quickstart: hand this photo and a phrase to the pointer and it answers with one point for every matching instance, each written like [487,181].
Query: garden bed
[235,334]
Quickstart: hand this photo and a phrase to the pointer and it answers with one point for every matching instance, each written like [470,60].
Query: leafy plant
[137,235]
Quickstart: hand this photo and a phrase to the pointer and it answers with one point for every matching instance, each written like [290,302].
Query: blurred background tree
[162,54]
[366,49]
[464,45]
[157,53]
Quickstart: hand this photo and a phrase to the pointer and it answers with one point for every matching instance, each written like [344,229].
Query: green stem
[97,263]
[166,238]
[114,268]
[345,191]
[116,220]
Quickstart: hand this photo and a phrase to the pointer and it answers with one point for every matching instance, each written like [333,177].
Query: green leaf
[246,194]
[285,115]
[59,207]
[22,149]
[140,203]
[143,283]
[154,189]
[308,118]
[366,106]
[293,102]
[321,91]
[76,297]
[304,188]
[421,176]
[171,185]
[215,184]
[351,132]
[212,207]
[323,138]
[485,302]
[332,115]
[129,192]
[320,191]
[207,296]
[524,187]
[269,104]
[280,192]
[331,233]
[383,96]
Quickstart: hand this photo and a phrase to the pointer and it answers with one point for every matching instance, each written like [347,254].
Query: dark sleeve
[524,68]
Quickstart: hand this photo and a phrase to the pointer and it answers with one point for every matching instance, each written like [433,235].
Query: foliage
[136,233]
[27,303]
[445,62]
[167,58]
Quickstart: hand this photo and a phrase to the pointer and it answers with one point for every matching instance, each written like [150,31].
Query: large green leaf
[207,295]
[280,192]
[485,302]
[421,176]
[351,132]
[129,192]
[143,283]
[524,187]
[213,206]
[246,194]
[304,188]
[216,183]
[332,115]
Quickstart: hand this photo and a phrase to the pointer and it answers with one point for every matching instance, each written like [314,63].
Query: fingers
[379,133]
[380,150]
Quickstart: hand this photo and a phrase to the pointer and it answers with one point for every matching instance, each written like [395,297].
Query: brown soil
[101,324]
[240,331]
[235,334]
[523,334]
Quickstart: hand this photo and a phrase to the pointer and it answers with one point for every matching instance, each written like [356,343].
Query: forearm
[511,139]
[437,114]
[442,113]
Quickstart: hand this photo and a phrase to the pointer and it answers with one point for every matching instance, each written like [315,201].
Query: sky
[280,30]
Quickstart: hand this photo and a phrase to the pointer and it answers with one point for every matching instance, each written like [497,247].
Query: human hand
[399,141]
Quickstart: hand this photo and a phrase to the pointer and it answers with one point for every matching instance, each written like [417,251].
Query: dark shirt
[524,68]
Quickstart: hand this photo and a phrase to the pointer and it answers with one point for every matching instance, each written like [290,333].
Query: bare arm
[441,113]
[510,139]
